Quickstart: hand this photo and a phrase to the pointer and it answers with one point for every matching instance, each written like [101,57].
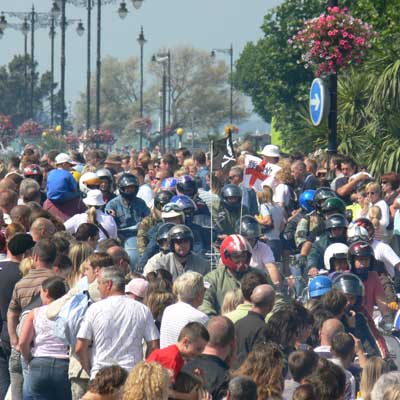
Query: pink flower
[334,10]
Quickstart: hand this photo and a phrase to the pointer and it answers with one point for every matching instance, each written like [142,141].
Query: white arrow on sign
[315,102]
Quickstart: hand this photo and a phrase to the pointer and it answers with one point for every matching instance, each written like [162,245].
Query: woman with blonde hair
[376,366]
[375,216]
[94,215]
[231,300]
[147,381]
[78,253]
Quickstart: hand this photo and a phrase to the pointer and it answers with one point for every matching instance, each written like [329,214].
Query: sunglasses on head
[171,207]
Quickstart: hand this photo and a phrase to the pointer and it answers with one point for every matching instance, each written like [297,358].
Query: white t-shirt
[281,194]
[117,326]
[107,222]
[383,252]
[175,317]
[146,194]
[261,255]
[277,214]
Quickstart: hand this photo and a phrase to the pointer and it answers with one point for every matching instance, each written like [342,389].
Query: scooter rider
[128,210]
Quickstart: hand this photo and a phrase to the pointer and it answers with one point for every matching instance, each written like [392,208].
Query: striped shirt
[28,288]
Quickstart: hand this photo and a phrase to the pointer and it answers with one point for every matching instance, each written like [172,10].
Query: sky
[204,24]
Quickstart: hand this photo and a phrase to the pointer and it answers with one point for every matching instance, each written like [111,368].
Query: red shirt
[169,357]
[373,291]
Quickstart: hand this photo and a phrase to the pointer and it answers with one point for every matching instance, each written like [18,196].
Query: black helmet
[180,232]
[162,198]
[248,227]
[163,230]
[321,194]
[231,190]
[333,205]
[126,180]
[349,284]
[186,185]
[336,221]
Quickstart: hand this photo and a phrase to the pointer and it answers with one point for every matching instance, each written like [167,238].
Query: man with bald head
[214,362]
[120,258]
[42,228]
[328,330]
[249,328]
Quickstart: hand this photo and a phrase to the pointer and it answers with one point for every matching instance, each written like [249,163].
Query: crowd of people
[150,276]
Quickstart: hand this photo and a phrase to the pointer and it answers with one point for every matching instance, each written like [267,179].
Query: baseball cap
[20,243]
[63,158]
[138,287]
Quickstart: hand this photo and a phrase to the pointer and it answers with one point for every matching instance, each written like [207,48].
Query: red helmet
[367,224]
[32,169]
[235,245]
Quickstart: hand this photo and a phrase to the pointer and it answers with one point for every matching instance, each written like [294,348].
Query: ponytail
[91,213]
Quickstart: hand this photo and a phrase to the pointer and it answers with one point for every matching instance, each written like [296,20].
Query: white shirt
[117,326]
[175,317]
[277,214]
[261,255]
[106,221]
[281,194]
[146,194]
[383,252]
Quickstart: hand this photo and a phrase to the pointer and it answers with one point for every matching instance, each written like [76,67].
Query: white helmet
[88,181]
[105,173]
[357,233]
[335,251]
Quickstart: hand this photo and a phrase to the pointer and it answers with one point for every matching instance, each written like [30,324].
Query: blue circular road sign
[319,101]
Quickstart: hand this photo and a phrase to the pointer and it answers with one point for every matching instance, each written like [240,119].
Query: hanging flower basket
[72,140]
[100,136]
[30,128]
[333,41]
[142,124]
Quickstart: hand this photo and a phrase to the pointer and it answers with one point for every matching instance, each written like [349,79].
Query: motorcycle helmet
[33,171]
[89,181]
[162,198]
[126,180]
[248,227]
[186,185]
[169,184]
[357,233]
[367,224]
[186,204]
[318,286]
[306,200]
[321,194]
[335,251]
[179,232]
[349,284]
[333,205]
[231,191]
[105,174]
[162,235]
[235,245]
[336,221]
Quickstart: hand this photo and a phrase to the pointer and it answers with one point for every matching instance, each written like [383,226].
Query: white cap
[270,150]
[94,198]
[63,158]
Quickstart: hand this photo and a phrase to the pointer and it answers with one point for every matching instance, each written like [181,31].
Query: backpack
[70,317]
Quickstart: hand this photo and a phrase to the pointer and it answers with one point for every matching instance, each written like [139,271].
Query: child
[375,216]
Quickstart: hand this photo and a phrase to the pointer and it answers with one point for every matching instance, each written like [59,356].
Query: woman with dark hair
[46,354]
[264,365]
[390,182]
[89,233]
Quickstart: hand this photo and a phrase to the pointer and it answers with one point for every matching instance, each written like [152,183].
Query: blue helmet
[169,184]
[319,285]
[186,204]
[306,200]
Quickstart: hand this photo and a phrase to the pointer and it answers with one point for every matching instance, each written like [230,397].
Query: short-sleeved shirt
[28,288]
[383,252]
[117,326]
[373,291]
[169,358]
[175,317]
[261,255]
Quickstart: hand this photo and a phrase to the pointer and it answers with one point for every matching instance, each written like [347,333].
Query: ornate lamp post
[141,40]
[230,52]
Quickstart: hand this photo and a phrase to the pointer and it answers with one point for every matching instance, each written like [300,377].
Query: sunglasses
[368,193]
[232,176]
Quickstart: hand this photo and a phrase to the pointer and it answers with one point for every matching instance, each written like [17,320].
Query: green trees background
[368,96]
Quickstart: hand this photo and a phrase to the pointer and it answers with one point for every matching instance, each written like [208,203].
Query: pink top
[373,291]
[45,343]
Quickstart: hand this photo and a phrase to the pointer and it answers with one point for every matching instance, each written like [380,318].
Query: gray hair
[242,388]
[28,185]
[385,380]
[114,275]
[188,286]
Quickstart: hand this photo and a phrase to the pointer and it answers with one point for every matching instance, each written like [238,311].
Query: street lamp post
[52,35]
[141,40]
[163,59]
[230,52]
